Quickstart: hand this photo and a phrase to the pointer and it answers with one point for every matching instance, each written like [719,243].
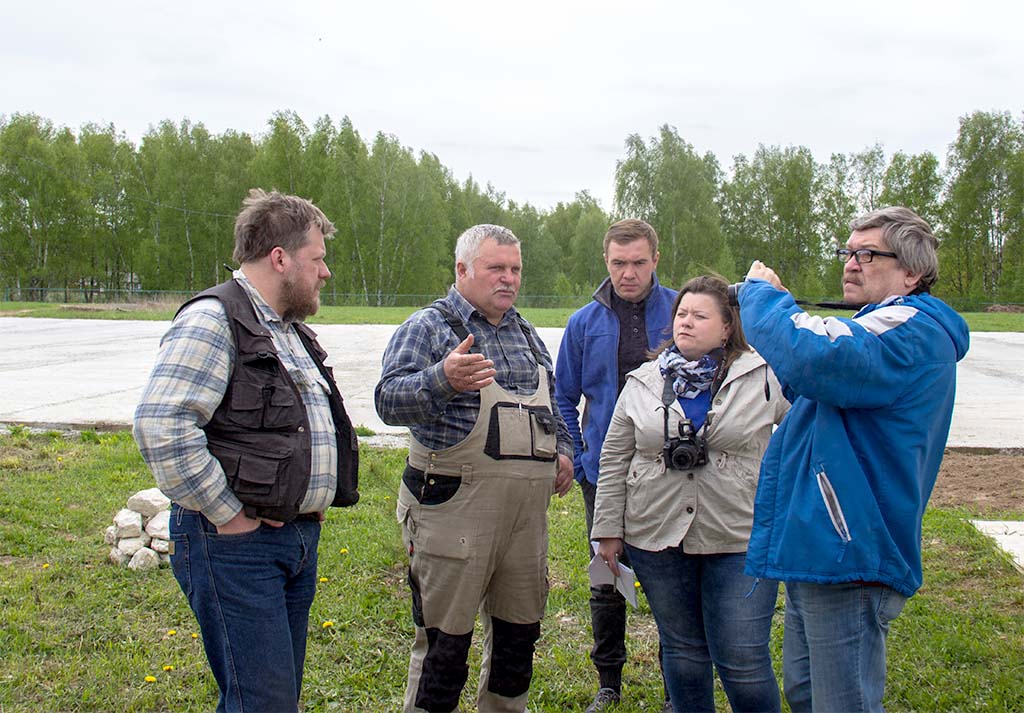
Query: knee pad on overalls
[512,657]
[444,670]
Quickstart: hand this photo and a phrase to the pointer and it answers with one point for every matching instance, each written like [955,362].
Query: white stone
[128,523]
[144,559]
[131,545]
[149,502]
[159,545]
[159,525]
[110,535]
[117,557]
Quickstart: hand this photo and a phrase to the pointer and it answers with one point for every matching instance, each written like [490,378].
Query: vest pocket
[261,406]
[253,475]
[544,428]
[523,432]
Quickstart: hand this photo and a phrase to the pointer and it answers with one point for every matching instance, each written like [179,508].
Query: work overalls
[474,519]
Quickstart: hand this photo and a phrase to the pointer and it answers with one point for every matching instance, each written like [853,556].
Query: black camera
[733,292]
[688,451]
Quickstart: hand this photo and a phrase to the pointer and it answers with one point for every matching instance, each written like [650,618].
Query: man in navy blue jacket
[846,477]
[604,341]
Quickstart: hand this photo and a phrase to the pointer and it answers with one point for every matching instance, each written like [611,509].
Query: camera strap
[668,395]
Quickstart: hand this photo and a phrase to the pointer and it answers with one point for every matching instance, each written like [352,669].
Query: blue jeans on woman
[708,611]
[833,649]
[251,595]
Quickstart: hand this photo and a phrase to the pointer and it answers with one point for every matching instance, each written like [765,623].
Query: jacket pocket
[832,506]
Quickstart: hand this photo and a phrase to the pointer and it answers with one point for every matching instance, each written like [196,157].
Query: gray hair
[467,247]
[909,236]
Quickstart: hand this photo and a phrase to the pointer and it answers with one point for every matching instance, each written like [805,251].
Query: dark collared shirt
[413,390]
[632,334]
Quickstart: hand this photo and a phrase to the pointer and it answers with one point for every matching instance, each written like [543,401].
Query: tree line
[93,213]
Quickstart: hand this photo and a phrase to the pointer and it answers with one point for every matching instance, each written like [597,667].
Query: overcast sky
[536,98]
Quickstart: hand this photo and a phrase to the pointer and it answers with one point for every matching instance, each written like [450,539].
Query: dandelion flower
[168,668]
[636,584]
[324,579]
[195,636]
[172,632]
[60,459]
[150,679]
[328,624]
[46,565]
[387,497]
[344,550]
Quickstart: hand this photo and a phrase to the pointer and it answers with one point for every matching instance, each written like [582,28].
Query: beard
[298,301]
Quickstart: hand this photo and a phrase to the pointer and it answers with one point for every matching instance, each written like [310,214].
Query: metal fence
[175,297]
[358,299]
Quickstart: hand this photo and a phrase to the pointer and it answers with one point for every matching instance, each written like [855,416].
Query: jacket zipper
[834,509]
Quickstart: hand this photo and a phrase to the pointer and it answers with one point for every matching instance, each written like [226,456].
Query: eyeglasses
[861,256]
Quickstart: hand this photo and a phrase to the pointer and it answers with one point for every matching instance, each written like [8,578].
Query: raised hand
[466,371]
[758,270]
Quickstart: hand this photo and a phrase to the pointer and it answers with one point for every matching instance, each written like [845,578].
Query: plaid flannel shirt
[186,387]
[413,390]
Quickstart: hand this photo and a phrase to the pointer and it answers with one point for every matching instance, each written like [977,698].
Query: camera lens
[684,456]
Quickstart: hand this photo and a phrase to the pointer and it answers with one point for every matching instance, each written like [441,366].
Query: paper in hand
[625,582]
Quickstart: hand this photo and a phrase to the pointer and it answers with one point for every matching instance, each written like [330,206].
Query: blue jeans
[706,612]
[833,649]
[251,595]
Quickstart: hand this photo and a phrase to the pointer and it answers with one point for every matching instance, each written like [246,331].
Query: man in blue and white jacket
[629,316]
[847,476]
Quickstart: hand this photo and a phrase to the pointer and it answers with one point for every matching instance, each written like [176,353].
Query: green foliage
[666,183]
[769,211]
[88,215]
[983,210]
[914,182]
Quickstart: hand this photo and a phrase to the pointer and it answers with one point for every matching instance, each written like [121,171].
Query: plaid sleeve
[185,387]
[413,388]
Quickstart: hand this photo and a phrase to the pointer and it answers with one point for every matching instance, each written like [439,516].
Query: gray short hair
[909,236]
[467,247]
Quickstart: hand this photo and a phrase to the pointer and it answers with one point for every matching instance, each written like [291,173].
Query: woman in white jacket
[678,473]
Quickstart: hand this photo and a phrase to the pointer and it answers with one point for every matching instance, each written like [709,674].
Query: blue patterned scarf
[690,378]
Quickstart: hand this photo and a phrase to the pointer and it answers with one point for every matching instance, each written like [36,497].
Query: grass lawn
[539,316]
[79,634]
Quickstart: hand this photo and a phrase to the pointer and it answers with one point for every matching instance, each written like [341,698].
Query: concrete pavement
[91,373]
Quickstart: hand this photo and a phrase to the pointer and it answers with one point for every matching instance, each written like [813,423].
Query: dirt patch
[981,482]
[1012,309]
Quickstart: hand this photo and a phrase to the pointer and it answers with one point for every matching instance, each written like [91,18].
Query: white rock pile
[140,536]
